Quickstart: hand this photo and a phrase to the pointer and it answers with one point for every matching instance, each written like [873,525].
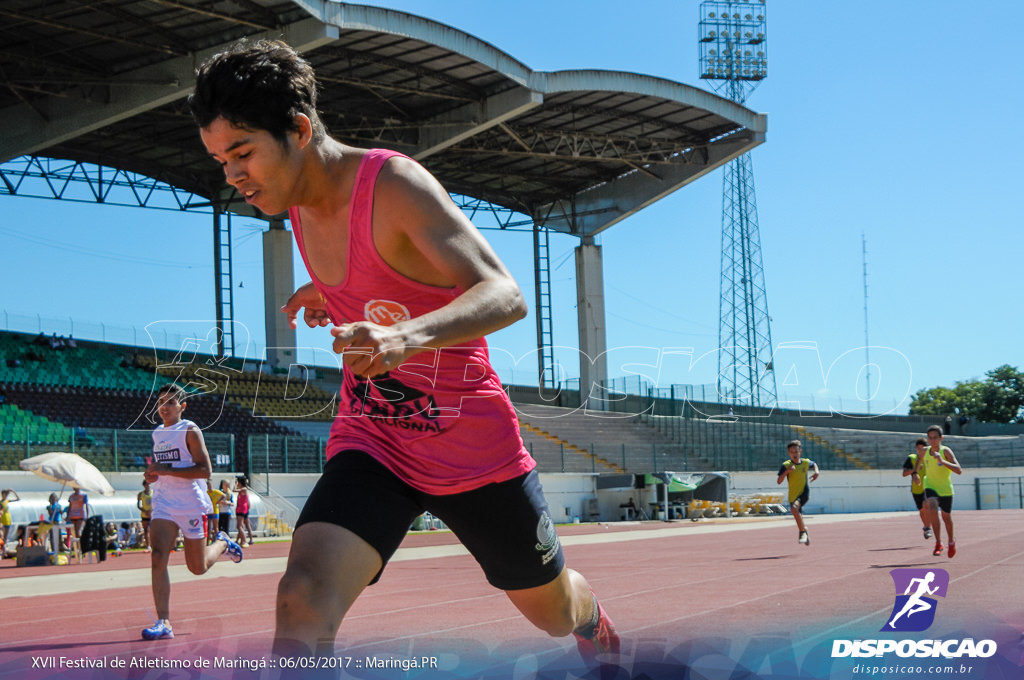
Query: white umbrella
[68,468]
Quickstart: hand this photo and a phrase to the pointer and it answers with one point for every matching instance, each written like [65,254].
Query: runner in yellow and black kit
[917,484]
[795,472]
[937,464]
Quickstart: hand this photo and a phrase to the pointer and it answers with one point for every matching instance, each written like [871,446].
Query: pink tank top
[242,507]
[441,421]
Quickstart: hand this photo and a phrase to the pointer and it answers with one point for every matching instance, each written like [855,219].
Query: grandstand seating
[100,387]
[19,425]
[538,441]
[263,394]
[86,365]
[564,439]
[731,443]
[840,454]
[888,450]
[19,428]
[107,390]
[124,411]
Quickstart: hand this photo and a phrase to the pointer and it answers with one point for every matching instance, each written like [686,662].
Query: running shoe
[234,550]
[804,538]
[603,640]
[938,550]
[158,631]
[927,533]
[952,549]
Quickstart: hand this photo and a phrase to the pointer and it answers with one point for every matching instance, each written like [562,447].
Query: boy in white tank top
[178,472]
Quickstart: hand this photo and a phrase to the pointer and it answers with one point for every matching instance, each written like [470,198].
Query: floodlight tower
[734,57]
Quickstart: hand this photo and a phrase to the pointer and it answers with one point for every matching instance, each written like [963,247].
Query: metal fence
[276,453]
[113,450]
[997,493]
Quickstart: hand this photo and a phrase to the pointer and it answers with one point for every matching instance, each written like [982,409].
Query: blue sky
[884,119]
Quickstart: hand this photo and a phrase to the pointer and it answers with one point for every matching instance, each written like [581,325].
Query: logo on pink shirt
[385,312]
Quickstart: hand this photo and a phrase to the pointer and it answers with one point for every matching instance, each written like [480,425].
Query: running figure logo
[914,610]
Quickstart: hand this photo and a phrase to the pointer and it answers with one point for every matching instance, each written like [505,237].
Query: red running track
[722,598]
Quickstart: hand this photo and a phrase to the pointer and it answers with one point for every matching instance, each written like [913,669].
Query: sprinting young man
[937,466]
[917,485]
[795,471]
[424,424]
[180,466]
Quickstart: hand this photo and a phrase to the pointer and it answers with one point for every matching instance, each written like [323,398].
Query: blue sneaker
[234,550]
[158,631]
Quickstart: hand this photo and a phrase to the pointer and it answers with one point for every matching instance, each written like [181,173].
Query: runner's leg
[328,567]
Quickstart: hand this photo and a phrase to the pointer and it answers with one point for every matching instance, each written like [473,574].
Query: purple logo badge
[914,609]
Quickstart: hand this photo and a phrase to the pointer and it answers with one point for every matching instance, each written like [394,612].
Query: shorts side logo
[547,538]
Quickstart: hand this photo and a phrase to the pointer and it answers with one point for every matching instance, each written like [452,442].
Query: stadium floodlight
[726,28]
[727,34]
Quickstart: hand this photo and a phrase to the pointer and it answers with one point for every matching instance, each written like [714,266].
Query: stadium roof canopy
[577,151]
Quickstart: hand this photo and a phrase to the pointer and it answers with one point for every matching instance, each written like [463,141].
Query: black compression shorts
[506,526]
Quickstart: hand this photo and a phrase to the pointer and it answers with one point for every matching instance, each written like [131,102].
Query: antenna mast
[867,344]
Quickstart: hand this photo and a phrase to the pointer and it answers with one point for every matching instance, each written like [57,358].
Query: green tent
[675,481]
[683,487]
